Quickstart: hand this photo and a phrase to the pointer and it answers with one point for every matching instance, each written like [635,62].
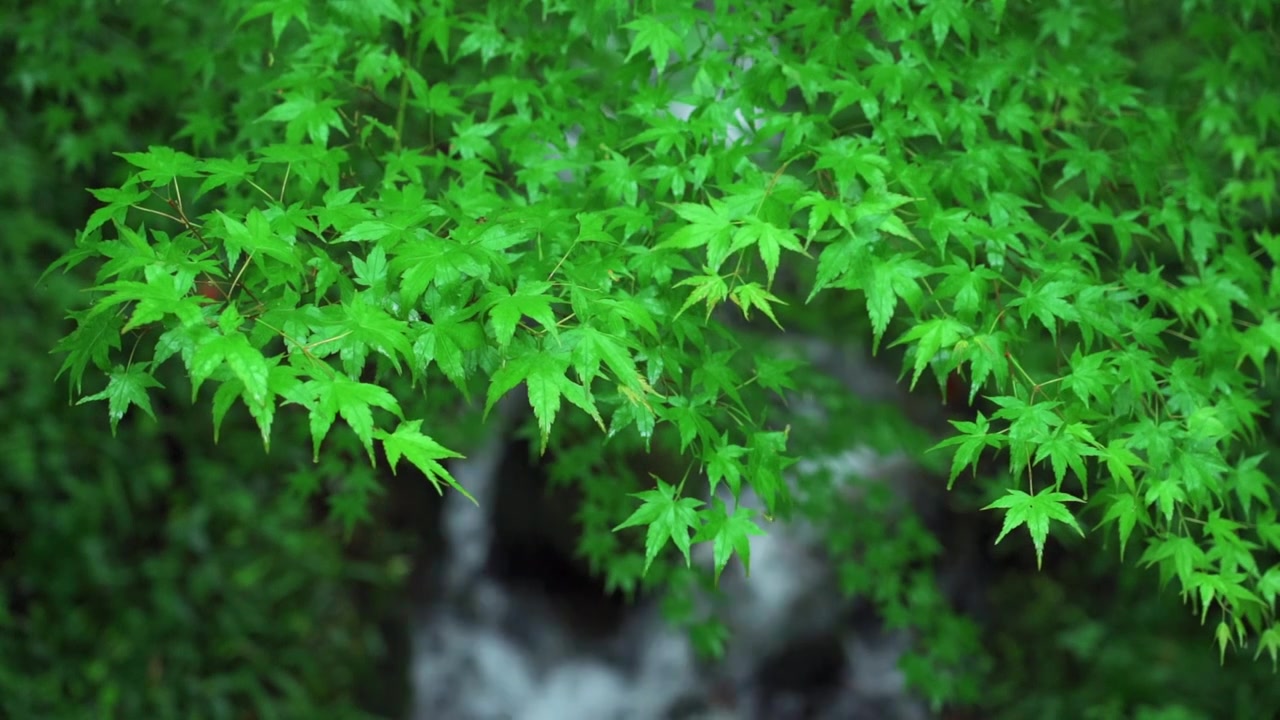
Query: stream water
[514,645]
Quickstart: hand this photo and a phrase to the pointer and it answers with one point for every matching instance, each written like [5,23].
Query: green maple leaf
[222,171]
[281,12]
[354,401]
[245,361]
[1124,510]
[1251,484]
[889,280]
[421,450]
[1088,379]
[1270,642]
[976,437]
[371,272]
[372,231]
[626,312]
[91,343]
[162,165]
[931,336]
[709,288]
[304,116]
[985,355]
[508,308]
[656,36]
[945,224]
[691,421]
[1047,303]
[850,157]
[510,90]
[717,375]
[446,341]
[777,374]
[670,518]
[706,226]
[1185,555]
[432,260]
[729,534]
[1031,425]
[968,288]
[118,202]
[256,237]
[1166,493]
[366,325]
[822,209]
[951,15]
[226,396]
[543,374]
[1080,158]
[591,347]
[769,241]
[153,301]
[1067,448]
[840,258]
[753,295]
[725,464]
[248,364]
[125,387]
[766,461]
[283,380]
[1036,512]
[633,412]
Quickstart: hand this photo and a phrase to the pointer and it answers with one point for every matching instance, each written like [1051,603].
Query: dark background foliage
[153,573]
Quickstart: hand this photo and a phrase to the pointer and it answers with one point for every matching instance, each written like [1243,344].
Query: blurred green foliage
[151,574]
